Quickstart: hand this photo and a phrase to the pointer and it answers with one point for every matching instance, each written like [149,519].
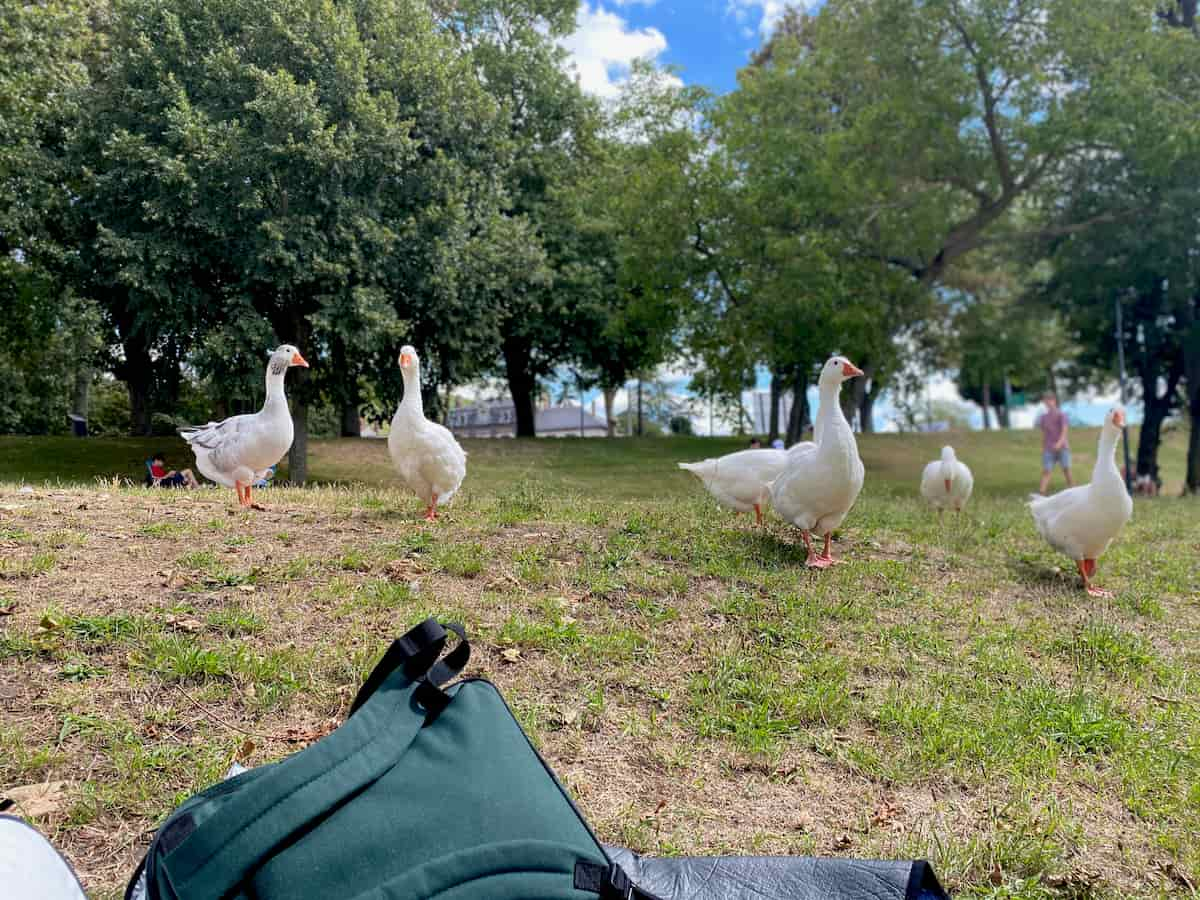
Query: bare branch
[999,151]
[701,247]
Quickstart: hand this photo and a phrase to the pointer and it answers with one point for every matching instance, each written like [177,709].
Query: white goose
[427,457]
[739,480]
[240,450]
[947,483]
[820,482]
[1082,521]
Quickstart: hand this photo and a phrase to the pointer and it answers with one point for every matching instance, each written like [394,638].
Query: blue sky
[708,40]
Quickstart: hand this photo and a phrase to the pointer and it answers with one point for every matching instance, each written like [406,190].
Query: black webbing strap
[417,651]
[608,881]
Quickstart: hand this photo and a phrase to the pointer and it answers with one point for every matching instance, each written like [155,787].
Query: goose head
[837,370]
[947,466]
[284,357]
[410,363]
[1114,422]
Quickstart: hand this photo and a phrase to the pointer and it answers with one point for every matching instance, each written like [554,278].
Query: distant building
[499,419]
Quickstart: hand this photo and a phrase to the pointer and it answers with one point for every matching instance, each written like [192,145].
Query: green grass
[519,477]
[947,692]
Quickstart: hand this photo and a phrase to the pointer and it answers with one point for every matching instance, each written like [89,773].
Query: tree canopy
[968,183]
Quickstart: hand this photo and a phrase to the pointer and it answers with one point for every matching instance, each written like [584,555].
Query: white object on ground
[30,867]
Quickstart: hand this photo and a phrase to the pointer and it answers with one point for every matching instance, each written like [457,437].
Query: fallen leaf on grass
[843,842]
[8,607]
[308,735]
[400,569]
[512,654]
[186,623]
[35,800]
[246,588]
[245,751]
[885,812]
[49,623]
[996,876]
[804,821]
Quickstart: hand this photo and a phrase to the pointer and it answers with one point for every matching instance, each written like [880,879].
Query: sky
[707,42]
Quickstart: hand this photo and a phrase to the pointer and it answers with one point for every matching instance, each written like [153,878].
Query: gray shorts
[1050,457]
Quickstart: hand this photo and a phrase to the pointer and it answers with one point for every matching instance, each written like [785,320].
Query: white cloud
[603,47]
[767,12]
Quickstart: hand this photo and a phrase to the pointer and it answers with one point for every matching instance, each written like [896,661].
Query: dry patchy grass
[948,692]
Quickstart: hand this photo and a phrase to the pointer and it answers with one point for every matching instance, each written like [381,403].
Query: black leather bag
[778,878]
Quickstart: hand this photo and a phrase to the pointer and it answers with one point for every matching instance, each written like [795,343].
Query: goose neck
[412,402]
[275,394]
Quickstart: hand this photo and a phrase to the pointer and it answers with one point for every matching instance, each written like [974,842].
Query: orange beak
[405,359]
[1119,418]
[947,483]
[298,360]
[851,369]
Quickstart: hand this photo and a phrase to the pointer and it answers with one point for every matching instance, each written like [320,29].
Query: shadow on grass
[1034,572]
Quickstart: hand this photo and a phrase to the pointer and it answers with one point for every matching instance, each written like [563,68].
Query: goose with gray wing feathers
[238,451]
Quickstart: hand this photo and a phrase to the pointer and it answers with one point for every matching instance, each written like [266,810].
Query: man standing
[1055,449]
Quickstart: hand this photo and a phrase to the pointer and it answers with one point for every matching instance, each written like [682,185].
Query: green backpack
[422,793]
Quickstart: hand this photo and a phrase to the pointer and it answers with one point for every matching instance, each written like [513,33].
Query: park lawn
[617,467]
[948,692]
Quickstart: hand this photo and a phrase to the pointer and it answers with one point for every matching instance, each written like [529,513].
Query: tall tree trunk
[522,385]
[610,395]
[81,390]
[866,411]
[859,391]
[641,421]
[986,403]
[1191,366]
[773,419]
[1191,484]
[138,373]
[351,423]
[849,404]
[799,411]
[298,455]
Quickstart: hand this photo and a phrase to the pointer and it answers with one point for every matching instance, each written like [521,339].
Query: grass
[947,693]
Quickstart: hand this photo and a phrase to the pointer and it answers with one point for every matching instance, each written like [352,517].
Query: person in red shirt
[161,477]
[1055,448]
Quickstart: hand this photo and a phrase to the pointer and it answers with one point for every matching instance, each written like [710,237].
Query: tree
[904,135]
[49,332]
[287,157]
[1151,266]
[998,340]
[549,127]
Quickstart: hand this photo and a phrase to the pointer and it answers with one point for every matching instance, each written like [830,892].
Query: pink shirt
[1053,423]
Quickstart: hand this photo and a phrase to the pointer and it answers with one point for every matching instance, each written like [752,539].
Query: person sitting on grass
[161,477]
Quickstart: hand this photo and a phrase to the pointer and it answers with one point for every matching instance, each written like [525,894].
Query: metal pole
[1121,378]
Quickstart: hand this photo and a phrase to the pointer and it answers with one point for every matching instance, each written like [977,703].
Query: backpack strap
[417,653]
[216,854]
